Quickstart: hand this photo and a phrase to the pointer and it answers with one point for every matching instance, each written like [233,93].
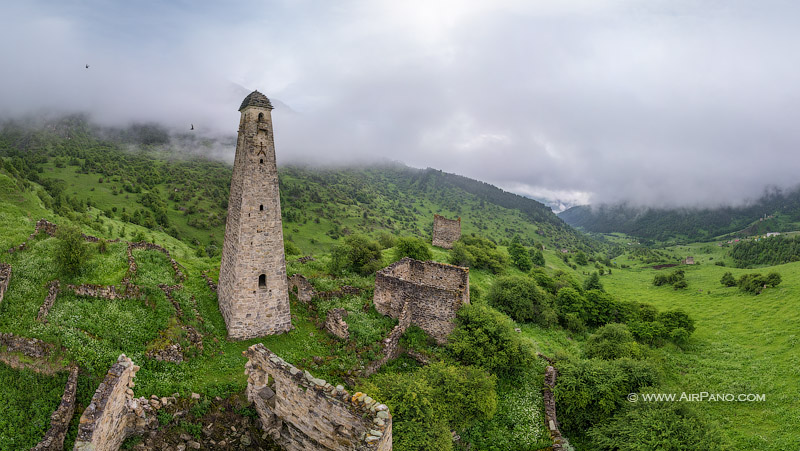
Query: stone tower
[253,293]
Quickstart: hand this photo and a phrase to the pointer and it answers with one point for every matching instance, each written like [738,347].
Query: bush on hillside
[413,247]
[728,280]
[612,341]
[72,251]
[358,254]
[520,298]
[519,255]
[477,252]
[593,282]
[486,338]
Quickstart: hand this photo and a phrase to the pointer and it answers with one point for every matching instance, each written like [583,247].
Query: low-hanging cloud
[660,103]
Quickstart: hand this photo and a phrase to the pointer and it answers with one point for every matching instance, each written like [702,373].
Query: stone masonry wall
[5,278]
[550,409]
[114,414]
[52,293]
[434,293]
[391,344]
[253,294]
[335,325]
[31,347]
[304,413]
[446,231]
[59,421]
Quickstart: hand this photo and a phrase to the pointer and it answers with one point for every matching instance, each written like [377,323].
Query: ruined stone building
[432,291]
[304,413]
[253,294]
[446,231]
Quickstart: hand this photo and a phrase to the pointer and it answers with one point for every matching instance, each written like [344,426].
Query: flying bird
[87,66]
[192,127]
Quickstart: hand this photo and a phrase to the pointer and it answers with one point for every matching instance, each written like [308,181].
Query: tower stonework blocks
[445,231]
[253,293]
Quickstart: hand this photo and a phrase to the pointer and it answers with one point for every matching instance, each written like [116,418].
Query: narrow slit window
[261,161]
[262,281]
[261,207]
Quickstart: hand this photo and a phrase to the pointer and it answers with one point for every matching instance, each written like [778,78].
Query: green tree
[773,279]
[519,255]
[520,298]
[612,341]
[593,282]
[485,337]
[413,247]
[580,259]
[357,253]
[72,251]
[537,257]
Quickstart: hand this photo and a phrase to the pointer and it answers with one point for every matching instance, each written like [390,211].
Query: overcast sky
[655,102]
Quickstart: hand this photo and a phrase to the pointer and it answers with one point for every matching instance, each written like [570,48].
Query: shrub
[728,280]
[537,257]
[485,337]
[590,391]
[602,308]
[521,299]
[357,253]
[386,240]
[570,301]
[774,279]
[477,252]
[655,425]
[612,341]
[415,248]
[519,255]
[290,248]
[673,319]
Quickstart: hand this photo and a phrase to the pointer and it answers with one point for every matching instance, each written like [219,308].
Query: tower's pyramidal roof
[255,98]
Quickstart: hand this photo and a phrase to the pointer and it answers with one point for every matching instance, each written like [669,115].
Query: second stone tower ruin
[253,294]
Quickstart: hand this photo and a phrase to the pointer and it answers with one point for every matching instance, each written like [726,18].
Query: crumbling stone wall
[304,291]
[550,408]
[301,287]
[5,278]
[434,293]
[31,347]
[304,413]
[391,344]
[52,293]
[335,325]
[446,231]
[59,421]
[114,414]
[210,282]
[109,292]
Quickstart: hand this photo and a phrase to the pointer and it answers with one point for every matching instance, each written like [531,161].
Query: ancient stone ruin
[446,231]
[59,421]
[5,278]
[304,413]
[302,288]
[434,293]
[335,325]
[252,292]
[391,344]
[114,414]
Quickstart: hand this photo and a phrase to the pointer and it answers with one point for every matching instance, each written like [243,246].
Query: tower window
[260,117]
[262,281]
[261,161]
[261,207]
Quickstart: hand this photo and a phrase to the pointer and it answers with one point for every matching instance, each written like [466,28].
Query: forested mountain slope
[775,211]
[144,176]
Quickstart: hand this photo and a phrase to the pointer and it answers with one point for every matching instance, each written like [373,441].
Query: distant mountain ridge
[775,211]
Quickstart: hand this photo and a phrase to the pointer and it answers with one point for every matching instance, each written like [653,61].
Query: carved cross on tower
[261,150]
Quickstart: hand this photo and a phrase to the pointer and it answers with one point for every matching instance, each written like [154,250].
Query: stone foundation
[302,288]
[109,292]
[59,421]
[303,413]
[550,374]
[5,278]
[52,293]
[154,247]
[114,414]
[434,293]
[31,347]
[445,231]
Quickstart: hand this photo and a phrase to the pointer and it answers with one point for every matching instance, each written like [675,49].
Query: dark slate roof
[255,98]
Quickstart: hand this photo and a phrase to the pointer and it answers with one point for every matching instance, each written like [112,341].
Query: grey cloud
[651,102]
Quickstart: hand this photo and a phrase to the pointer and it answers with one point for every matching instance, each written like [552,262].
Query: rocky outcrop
[59,421]
[335,325]
[52,293]
[304,413]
